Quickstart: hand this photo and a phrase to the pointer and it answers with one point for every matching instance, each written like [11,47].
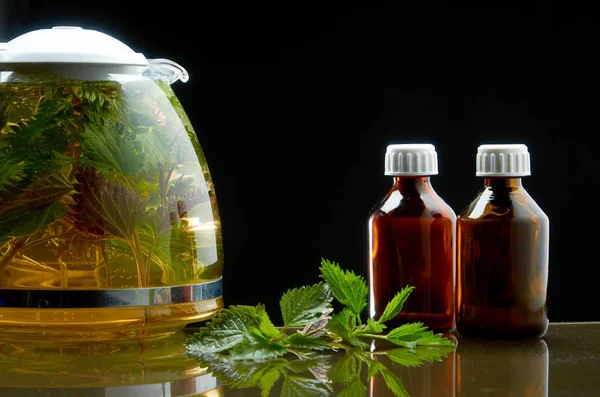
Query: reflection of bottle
[502,251]
[429,379]
[411,237]
[508,368]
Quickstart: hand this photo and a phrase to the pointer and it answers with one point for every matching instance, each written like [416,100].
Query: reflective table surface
[566,362]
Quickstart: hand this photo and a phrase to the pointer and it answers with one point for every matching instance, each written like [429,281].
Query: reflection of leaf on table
[239,374]
[349,371]
[417,356]
[314,375]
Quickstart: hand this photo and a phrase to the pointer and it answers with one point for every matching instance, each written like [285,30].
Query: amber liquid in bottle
[411,232]
[502,262]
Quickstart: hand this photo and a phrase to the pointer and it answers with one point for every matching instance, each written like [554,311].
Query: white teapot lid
[65,45]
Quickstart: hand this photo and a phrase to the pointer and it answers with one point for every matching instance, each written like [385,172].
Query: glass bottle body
[411,238]
[502,262]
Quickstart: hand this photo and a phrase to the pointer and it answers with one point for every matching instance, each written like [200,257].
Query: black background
[295,104]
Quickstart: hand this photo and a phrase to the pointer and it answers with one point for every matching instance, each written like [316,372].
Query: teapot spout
[166,70]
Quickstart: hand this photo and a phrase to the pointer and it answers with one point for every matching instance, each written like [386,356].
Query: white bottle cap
[503,160]
[414,159]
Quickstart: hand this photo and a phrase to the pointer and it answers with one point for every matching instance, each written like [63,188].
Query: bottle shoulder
[424,204]
[514,203]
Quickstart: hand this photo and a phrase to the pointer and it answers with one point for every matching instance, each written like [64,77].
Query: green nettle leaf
[375,367]
[300,341]
[25,223]
[154,145]
[158,221]
[416,334]
[257,348]
[356,388]
[239,374]
[247,333]
[342,324]
[432,353]
[395,306]
[319,372]
[267,327]
[374,327]
[348,288]
[163,236]
[6,103]
[319,328]
[165,250]
[264,374]
[307,362]
[432,339]
[344,370]
[40,194]
[417,356]
[104,209]
[110,148]
[11,171]
[407,335]
[238,329]
[50,119]
[302,387]
[409,329]
[405,357]
[21,166]
[267,381]
[393,383]
[229,328]
[305,305]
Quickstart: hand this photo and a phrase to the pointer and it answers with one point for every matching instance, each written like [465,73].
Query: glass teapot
[109,225]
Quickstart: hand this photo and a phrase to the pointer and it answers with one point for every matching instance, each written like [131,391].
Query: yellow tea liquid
[103,188]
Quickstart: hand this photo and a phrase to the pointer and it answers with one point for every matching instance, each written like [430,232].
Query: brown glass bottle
[502,254]
[411,238]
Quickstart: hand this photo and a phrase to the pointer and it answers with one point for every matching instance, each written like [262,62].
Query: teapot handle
[166,70]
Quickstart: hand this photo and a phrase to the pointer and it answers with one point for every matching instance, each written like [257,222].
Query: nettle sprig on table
[310,324]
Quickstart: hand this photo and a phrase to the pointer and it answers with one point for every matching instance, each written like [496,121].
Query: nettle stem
[149,262]
[136,248]
[14,246]
[373,336]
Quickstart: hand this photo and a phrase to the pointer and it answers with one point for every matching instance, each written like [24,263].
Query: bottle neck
[413,184]
[502,182]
